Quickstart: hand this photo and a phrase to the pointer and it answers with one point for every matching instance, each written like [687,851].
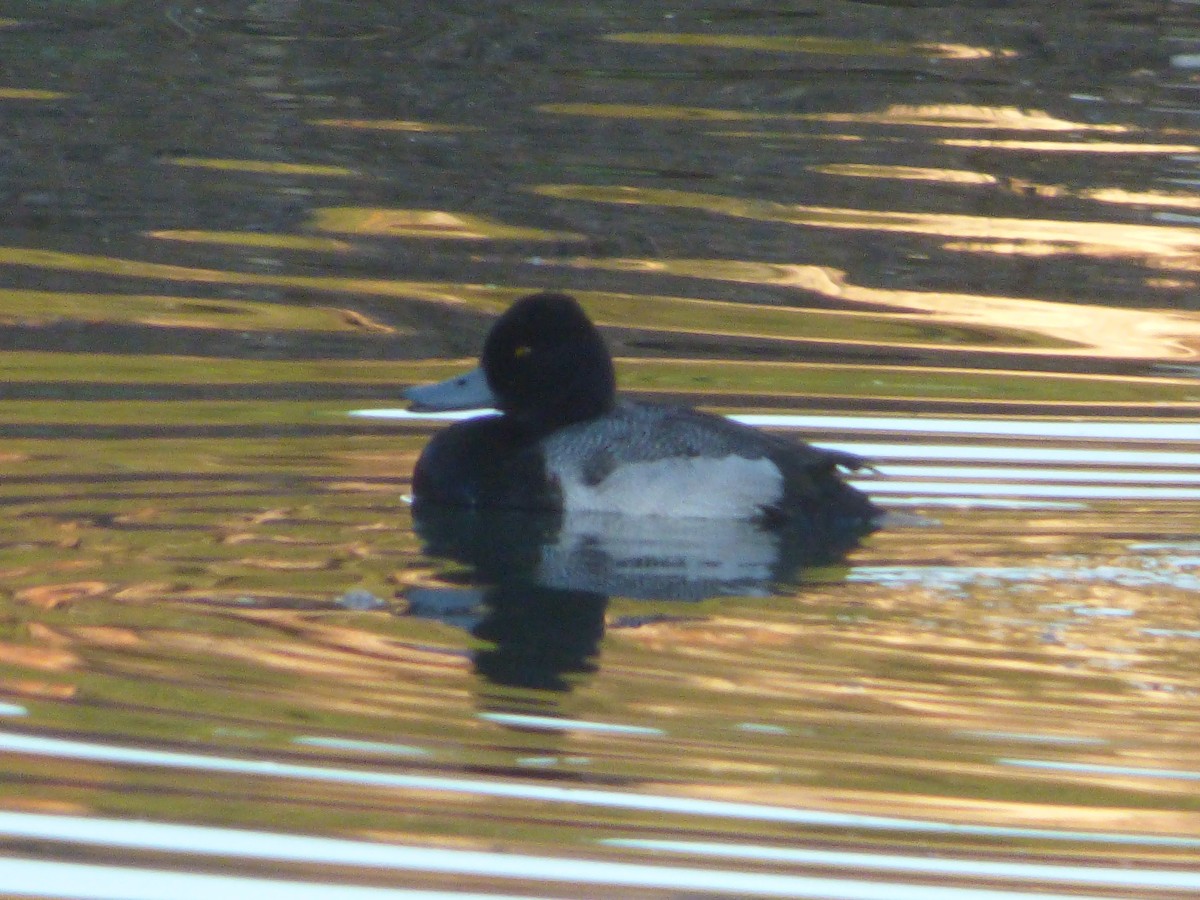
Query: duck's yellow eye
[522,351]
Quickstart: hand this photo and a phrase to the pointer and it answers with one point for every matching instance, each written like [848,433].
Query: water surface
[959,239]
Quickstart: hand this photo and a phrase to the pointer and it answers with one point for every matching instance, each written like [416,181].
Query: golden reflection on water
[1030,390]
[32,307]
[1082,329]
[955,115]
[198,646]
[963,116]
[653,111]
[708,379]
[670,314]
[850,327]
[255,239]
[1111,147]
[1100,239]
[809,44]
[116,368]
[173,569]
[133,268]
[1141,198]
[904,173]
[1000,324]
[30,94]
[394,125]
[427,223]
[1120,196]
[264,167]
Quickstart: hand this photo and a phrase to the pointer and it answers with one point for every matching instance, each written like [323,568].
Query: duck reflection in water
[547,577]
[572,494]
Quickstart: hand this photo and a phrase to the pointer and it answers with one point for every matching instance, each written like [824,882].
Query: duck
[562,440]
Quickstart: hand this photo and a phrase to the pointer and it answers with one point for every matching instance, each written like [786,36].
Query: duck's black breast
[484,462]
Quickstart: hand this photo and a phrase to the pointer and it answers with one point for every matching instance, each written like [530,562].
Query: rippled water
[959,239]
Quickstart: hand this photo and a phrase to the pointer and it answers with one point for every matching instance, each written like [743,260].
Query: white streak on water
[114,754]
[955,577]
[970,868]
[965,502]
[381,747]
[1098,769]
[1018,454]
[42,878]
[1032,738]
[165,837]
[1027,473]
[550,723]
[1052,491]
[1047,428]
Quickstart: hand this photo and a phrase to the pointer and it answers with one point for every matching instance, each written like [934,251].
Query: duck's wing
[834,459]
[813,489]
[810,486]
[636,432]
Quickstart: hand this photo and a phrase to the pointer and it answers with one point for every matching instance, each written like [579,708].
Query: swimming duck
[564,441]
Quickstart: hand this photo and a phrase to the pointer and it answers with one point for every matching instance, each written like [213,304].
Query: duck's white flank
[729,487]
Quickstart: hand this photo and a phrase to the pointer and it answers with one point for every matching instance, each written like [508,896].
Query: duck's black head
[547,364]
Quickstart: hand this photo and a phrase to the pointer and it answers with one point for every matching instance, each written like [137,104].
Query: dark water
[959,238]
